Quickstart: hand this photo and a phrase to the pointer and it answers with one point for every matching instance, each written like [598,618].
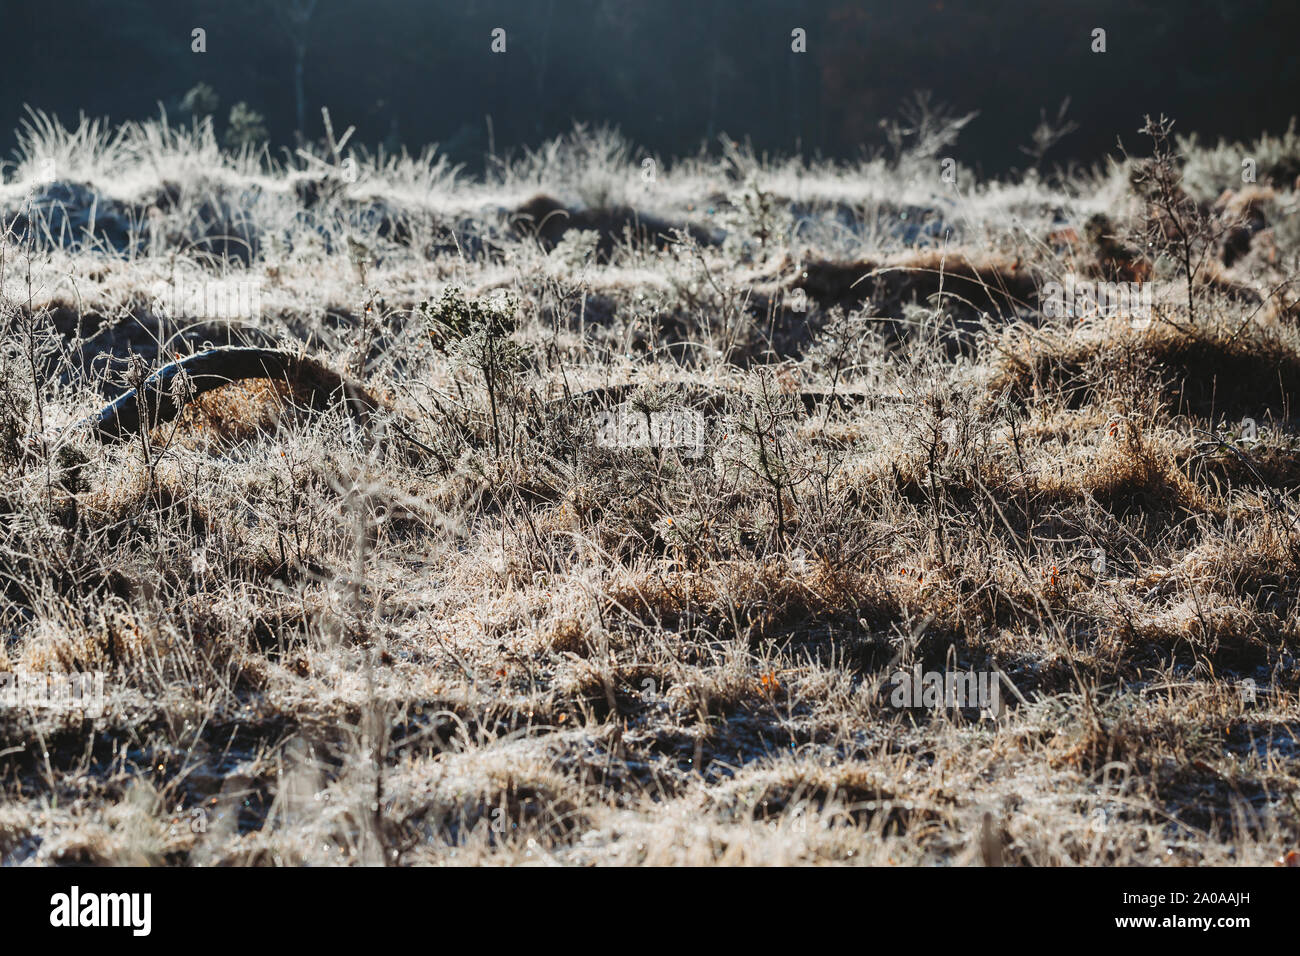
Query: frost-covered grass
[465,630]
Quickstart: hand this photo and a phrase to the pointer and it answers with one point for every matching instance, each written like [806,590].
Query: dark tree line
[671,73]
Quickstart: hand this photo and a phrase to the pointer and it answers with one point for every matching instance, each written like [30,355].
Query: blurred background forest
[671,74]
